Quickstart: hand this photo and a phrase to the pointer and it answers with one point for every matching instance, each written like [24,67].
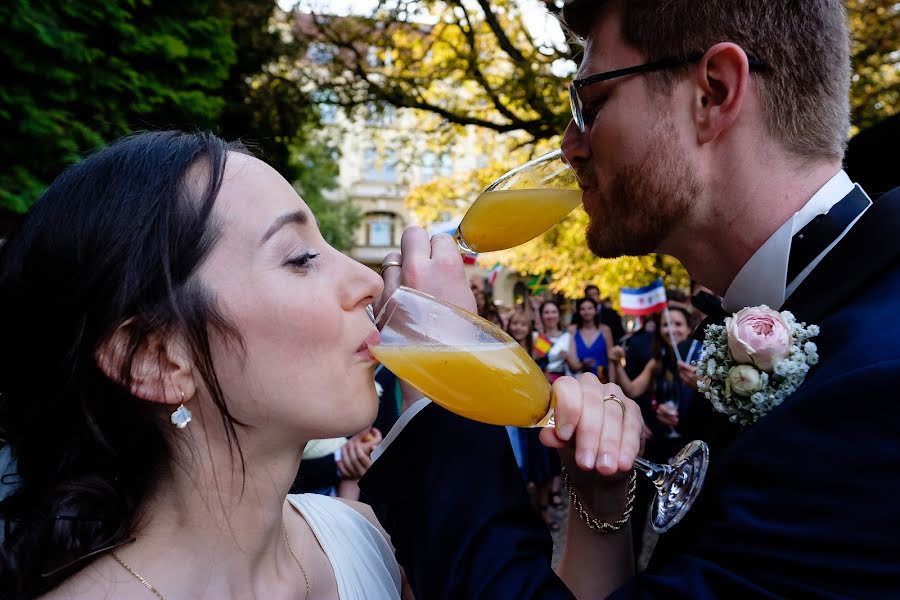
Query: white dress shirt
[763,278]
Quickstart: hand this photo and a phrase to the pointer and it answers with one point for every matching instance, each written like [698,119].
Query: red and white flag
[643,301]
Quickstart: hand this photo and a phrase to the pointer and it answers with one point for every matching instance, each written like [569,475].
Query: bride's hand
[432,266]
[597,442]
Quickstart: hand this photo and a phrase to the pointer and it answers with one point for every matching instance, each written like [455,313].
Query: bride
[175,329]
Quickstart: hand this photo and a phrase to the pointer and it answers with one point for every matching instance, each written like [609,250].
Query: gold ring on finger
[616,399]
[389,263]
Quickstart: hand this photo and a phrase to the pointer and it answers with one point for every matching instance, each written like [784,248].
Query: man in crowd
[713,131]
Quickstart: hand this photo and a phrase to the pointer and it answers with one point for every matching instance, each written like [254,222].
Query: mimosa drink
[507,218]
[492,383]
[474,368]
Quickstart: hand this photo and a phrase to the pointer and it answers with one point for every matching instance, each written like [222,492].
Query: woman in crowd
[158,413]
[554,362]
[589,341]
[660,383]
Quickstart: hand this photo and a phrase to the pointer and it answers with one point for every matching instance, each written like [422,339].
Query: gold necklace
[296,560]
[156,592]
[146,583]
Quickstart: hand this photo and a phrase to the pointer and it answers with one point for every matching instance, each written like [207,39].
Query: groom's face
[639,183]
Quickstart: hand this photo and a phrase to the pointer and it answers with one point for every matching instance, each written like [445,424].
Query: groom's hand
[597,442]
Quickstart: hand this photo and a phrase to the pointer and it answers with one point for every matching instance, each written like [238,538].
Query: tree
[262,105]
[477,63]
[266,106]
[78,74]
[469,62]
[875,89]
[316,165]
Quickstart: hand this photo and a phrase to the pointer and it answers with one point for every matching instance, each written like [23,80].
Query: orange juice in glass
[520,205]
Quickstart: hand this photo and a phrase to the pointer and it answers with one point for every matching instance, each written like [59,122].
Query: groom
[713,131]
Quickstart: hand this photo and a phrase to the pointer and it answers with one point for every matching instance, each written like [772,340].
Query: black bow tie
[709,305]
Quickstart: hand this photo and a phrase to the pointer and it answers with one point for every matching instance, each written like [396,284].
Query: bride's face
[299,306]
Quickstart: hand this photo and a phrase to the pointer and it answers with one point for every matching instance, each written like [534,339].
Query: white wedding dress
[362,559]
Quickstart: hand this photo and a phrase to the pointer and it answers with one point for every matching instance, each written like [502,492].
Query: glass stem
[655,472]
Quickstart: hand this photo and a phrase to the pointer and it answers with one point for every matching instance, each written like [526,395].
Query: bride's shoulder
[334,505]
[337,506]
[363,509]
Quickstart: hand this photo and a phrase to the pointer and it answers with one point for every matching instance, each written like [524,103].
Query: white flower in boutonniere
[753,362]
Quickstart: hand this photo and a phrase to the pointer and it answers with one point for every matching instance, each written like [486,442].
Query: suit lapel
[867,250]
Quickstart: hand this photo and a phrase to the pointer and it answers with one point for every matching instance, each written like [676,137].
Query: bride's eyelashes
[303,261]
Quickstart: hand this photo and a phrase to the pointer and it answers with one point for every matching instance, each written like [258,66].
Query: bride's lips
[373,339]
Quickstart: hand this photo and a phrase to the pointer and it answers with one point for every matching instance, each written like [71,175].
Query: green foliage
[267,109]
[264,106]
[77,74]
[875,90]
[316,168]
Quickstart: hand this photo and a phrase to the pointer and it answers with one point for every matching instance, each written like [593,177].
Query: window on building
[380,229]
[380,167]
[434,165]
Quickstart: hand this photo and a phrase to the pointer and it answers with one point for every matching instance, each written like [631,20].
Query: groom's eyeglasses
[658,65]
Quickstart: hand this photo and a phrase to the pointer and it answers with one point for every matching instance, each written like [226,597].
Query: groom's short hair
[805,93]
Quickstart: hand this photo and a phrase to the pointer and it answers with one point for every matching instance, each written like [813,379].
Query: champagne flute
[520,205]
[472,367]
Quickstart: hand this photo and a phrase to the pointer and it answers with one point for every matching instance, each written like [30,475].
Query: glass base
[680,486]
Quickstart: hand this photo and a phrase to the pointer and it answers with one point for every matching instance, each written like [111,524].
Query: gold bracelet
[596,524]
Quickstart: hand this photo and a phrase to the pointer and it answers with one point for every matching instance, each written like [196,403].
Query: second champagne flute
[472,367]
[520,205]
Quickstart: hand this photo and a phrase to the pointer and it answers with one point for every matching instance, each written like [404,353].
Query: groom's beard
[645,200]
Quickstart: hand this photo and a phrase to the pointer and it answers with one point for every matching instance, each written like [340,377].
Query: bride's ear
[161,368]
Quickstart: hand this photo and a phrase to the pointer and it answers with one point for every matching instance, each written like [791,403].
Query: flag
[643,301]
[494,273]
[537,285]
[541,345]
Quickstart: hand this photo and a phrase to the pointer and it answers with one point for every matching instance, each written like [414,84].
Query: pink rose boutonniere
[754,361]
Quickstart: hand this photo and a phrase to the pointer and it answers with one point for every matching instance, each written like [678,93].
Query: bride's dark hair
[114,240]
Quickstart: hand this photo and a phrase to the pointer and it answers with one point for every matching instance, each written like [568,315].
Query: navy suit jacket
[805,503]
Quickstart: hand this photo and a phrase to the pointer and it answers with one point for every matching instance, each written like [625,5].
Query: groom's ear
[721,83]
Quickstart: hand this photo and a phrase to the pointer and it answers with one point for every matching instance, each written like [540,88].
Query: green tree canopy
[76,75]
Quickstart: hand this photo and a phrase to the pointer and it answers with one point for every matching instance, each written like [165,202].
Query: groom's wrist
[604,498]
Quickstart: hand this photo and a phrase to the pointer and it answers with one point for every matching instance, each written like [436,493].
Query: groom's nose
[576,147]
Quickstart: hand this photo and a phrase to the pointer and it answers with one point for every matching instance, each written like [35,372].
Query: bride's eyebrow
[299,217]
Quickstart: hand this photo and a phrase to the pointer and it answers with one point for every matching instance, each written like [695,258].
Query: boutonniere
[753,362]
